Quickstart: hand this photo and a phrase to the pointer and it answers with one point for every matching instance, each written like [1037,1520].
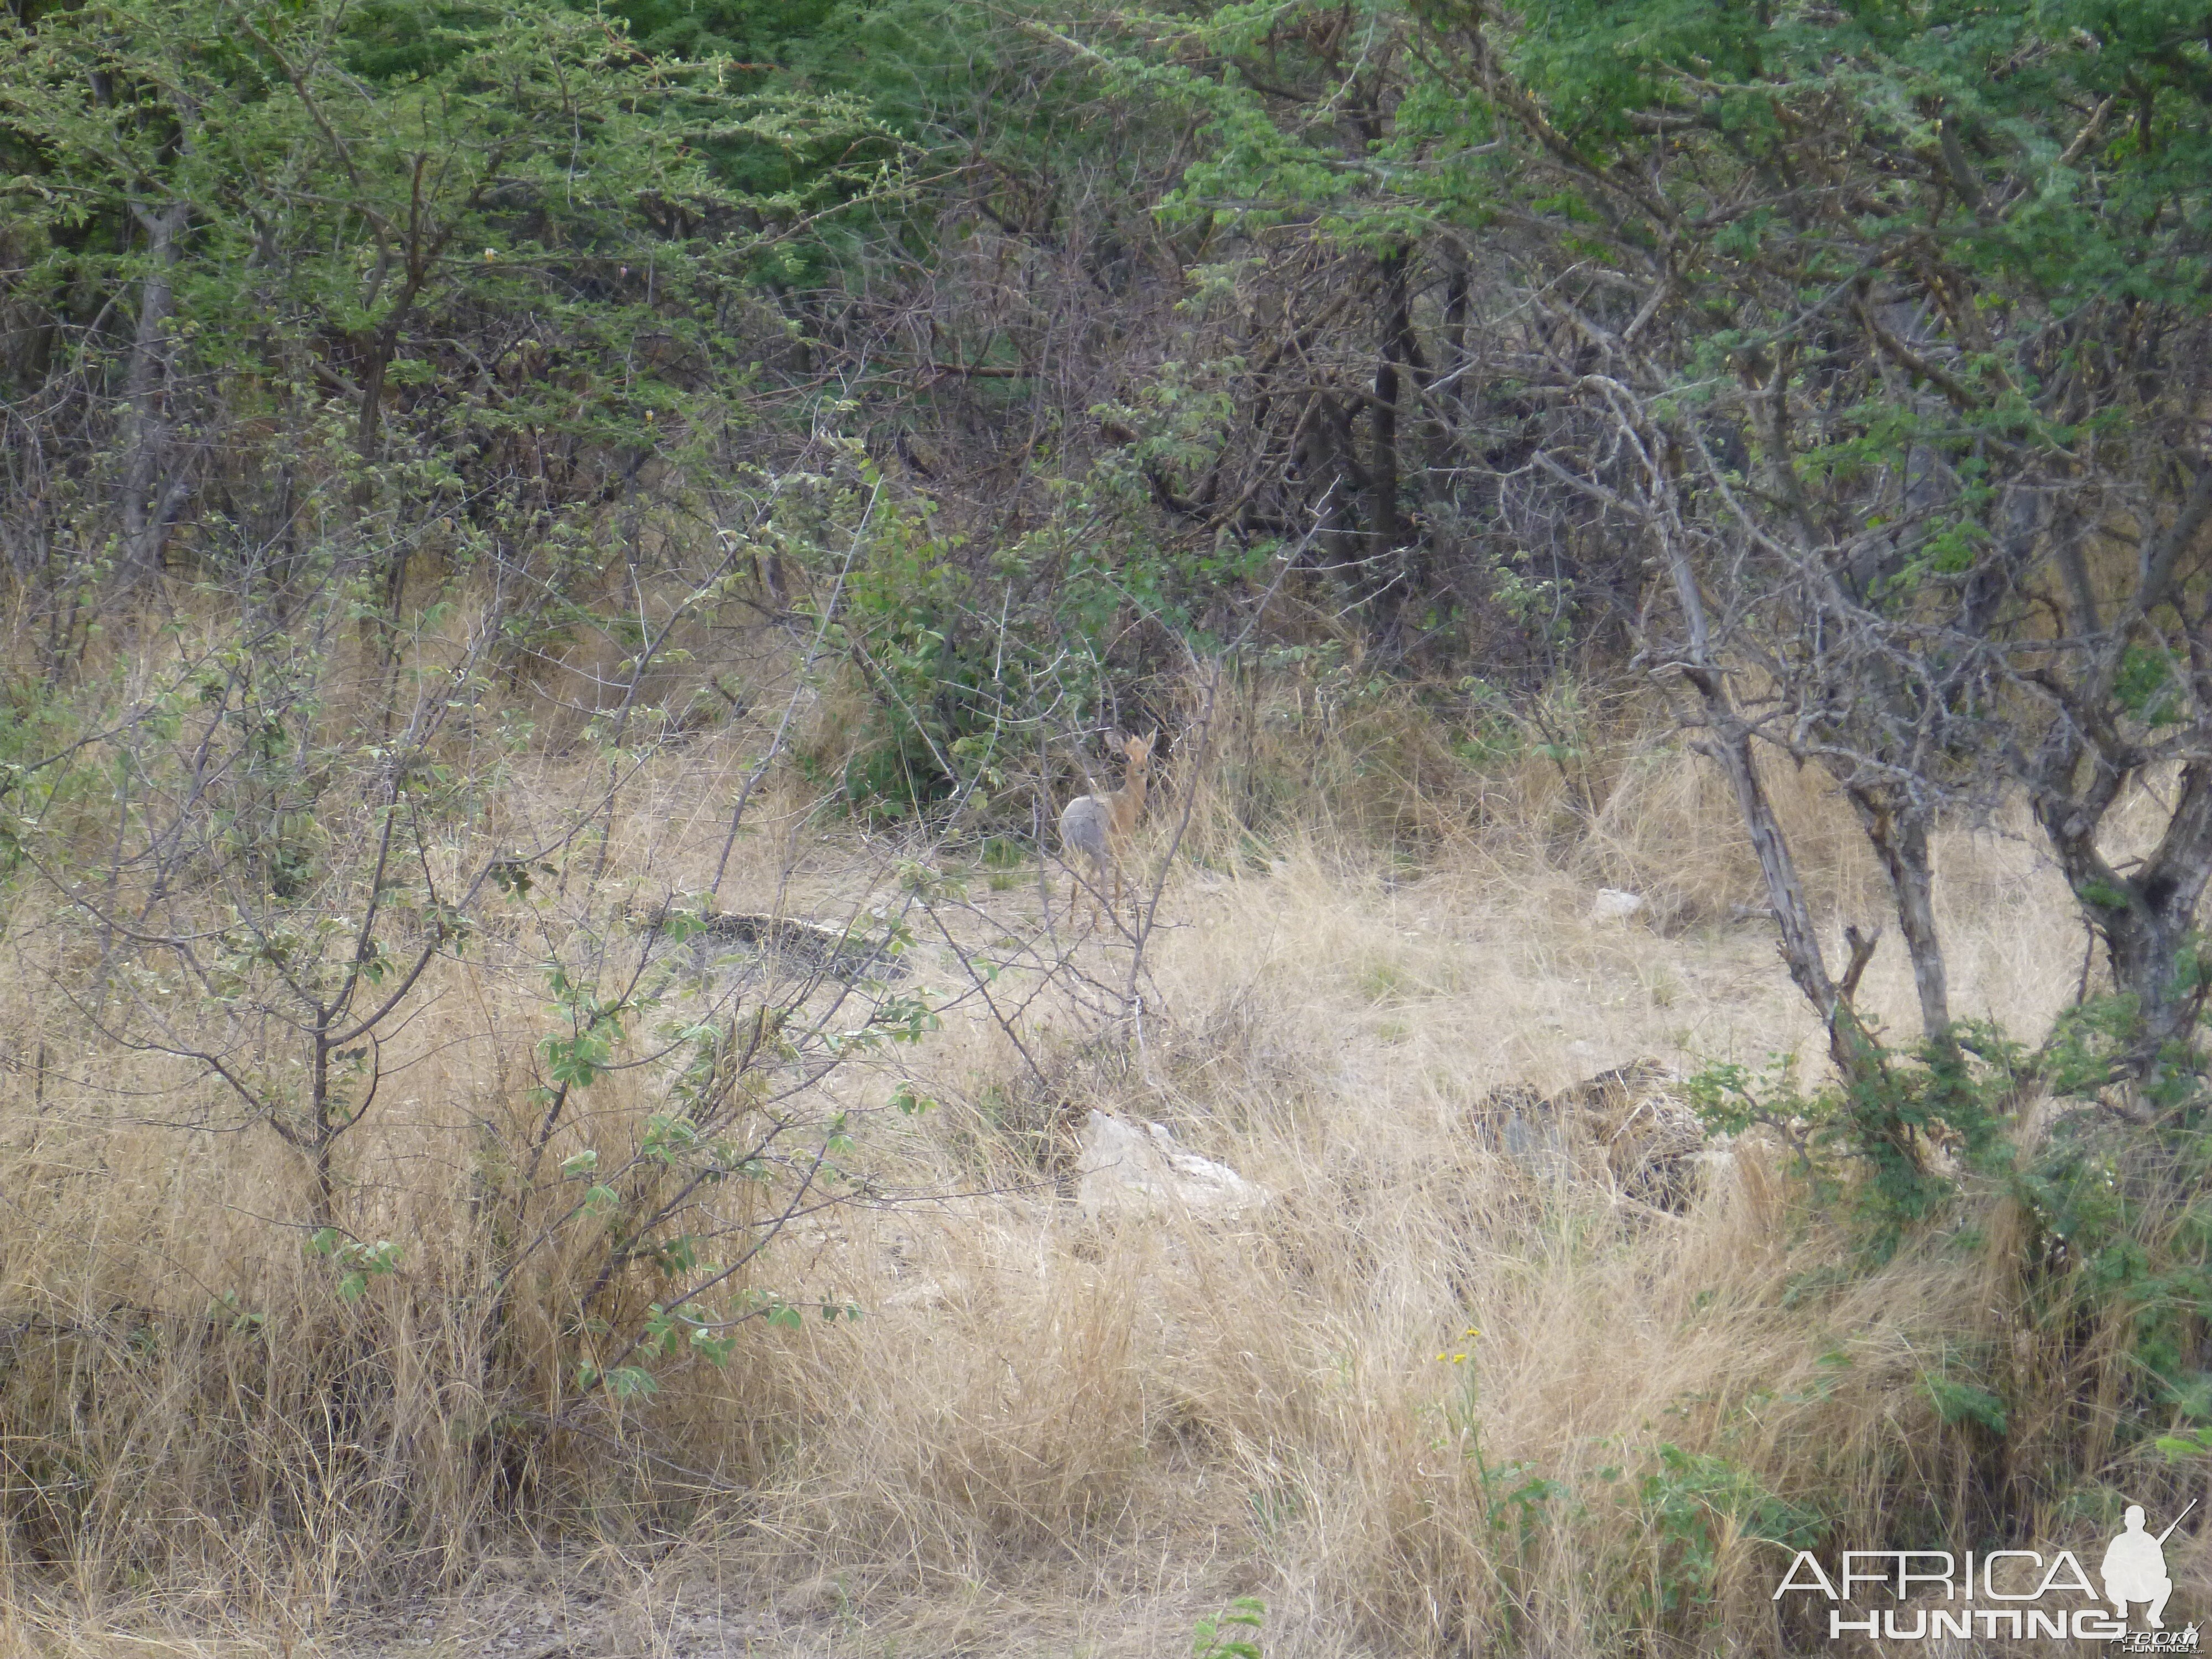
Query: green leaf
[631,1383]
[1967,1402]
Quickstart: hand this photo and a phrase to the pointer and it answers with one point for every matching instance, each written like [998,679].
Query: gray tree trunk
[151,486]
[1899,834]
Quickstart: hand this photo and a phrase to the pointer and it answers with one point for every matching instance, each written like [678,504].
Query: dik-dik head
[1128,800]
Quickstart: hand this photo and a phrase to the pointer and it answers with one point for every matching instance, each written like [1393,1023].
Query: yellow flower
[1459,1360]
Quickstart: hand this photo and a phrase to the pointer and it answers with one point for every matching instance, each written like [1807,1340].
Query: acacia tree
[1875,328]
[1919,323]
[515,256]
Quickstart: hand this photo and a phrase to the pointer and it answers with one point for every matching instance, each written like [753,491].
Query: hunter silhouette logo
[2019,1594]
[2134,1568]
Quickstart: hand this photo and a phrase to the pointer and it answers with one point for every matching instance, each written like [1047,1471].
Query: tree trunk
[150,491]
[1457,297]
[2146,918]
[1384,517]
[1899,834]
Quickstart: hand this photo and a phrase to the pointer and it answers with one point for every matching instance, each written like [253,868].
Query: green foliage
[574,1059]
[760,37]
[1898,1141]
[645,1212]
[2146,688]
[1519,1503]
[1695,1503]
[1957,1403]
[1691,1506]
[971,662]
[1232,1634]
[358,1262]
[2188,1444]
[2005,79]
[2120,1233]
[2123,1242]
[433,248]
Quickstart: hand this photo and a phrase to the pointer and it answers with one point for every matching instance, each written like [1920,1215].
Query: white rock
[1123,1169]
[1614,905]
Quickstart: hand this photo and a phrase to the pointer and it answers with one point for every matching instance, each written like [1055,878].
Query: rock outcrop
[1628,1129]
[1126,1169]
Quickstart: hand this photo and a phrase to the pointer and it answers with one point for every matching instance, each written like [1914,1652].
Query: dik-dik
[1097,827]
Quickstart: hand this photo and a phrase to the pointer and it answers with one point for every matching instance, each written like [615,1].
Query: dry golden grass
[1047,1436]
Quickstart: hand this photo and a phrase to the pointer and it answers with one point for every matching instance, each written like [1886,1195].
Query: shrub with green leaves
[672,1226]
[1898,1139]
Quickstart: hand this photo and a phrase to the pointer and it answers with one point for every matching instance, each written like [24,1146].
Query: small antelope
[1098,826]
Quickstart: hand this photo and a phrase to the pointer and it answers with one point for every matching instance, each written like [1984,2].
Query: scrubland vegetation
[1041,1430]
[562,562]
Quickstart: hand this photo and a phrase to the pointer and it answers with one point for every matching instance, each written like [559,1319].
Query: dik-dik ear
[1140,748]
